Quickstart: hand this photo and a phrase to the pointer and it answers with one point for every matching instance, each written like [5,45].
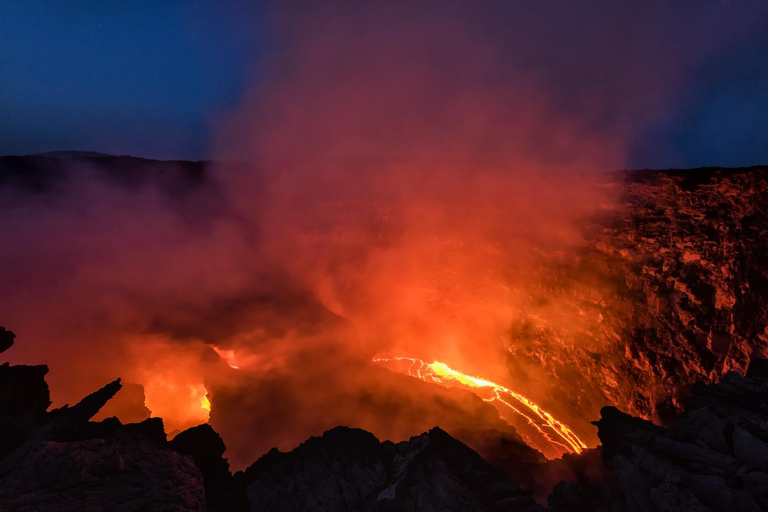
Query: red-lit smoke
[396,179]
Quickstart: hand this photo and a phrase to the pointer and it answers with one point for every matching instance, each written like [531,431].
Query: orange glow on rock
[543,432]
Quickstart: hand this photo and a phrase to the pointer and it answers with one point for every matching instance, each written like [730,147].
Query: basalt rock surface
[207,449]
[349,469]
[124,472]
[6,339]
[713,457]
[24,400]
[668,288]
[59,461]
[693,258]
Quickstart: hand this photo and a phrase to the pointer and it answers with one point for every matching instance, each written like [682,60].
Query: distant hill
[72,154]
[42,172]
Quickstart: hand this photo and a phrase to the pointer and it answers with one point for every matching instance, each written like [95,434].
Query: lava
[179,400]
[539,428]
[205,403]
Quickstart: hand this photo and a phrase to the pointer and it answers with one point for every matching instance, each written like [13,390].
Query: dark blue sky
[721,117]
[131,77]
[149,78]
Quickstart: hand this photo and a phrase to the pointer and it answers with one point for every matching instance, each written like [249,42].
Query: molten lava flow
[180,404]
[540,429]
[205,403]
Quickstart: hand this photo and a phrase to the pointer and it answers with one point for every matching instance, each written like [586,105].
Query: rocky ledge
[712,457]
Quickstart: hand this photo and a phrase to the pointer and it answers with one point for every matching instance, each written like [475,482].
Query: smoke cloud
[394,182]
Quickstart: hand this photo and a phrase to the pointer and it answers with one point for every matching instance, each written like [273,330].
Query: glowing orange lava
[205,403]
[539,429]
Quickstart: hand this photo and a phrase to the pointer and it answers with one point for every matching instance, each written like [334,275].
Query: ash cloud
[405,170]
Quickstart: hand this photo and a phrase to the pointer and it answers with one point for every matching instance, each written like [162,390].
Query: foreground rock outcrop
[59,461]
[127,471]
[713,457]
[349,469]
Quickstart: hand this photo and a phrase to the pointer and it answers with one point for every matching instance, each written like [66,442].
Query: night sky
[151,78]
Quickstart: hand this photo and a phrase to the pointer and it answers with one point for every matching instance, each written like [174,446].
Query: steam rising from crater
[397,180]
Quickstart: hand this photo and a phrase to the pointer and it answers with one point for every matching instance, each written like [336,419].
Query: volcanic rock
[6,339]
[128,405]
[349,469]
[58,460]
[206,448]
[668,288]
[714,457]
[24,400]
[126,472]
[58,422]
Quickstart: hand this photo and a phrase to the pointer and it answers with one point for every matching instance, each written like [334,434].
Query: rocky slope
[712,457]
[348,469]
[669,288]
[694,258]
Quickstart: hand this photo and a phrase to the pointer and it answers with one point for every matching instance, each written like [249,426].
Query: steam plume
[395,181]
